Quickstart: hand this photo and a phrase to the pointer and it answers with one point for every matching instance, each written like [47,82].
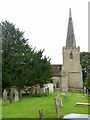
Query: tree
[44,70]
[85,62]
[21,64]
[14,49]
[87,82]
[41,69]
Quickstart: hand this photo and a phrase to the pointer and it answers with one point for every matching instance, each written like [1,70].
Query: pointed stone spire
[70,41]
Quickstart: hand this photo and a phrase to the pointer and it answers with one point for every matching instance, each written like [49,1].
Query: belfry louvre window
[71,55]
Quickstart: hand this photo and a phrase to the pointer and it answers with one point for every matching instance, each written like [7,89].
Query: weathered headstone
[16,96]
[4,96]
[41,114]
[11,95]
[58,103]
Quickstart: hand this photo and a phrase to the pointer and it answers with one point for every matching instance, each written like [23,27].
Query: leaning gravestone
[58,103]
[11,95]
[4,96]
[16,96]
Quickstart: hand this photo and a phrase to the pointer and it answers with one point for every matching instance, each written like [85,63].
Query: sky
[45,23]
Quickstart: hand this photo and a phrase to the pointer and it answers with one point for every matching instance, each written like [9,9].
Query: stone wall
[75,80]
[64,83]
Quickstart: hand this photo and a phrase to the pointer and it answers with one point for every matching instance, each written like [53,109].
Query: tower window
[71,55]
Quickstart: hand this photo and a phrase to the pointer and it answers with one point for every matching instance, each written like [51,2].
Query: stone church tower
[71,69]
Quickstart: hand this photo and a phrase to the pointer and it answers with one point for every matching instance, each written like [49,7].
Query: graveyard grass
[29,106]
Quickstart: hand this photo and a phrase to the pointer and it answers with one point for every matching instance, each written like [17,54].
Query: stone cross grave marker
[41,114]
[58,103]
[4,96]
[16,96]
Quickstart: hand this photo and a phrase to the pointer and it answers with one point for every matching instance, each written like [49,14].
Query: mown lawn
[29,106]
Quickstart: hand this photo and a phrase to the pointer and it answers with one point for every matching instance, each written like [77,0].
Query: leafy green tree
[85,62]
[87,82]
[14,49]
[21,64]
[44,70]
[41,69]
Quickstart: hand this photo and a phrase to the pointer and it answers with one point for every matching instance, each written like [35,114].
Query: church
[69,75]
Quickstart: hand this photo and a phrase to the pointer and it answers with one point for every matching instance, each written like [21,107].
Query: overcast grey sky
[45,23]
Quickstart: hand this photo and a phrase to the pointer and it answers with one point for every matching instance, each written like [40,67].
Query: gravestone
[4,96]
[16,96]
[58,104]
[11,95]
[40,114]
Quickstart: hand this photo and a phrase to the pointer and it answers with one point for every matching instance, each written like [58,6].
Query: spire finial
[69,12]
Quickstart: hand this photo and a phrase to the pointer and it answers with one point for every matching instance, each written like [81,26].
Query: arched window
[71,55]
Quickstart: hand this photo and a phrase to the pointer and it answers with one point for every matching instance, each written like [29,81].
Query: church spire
[70,41]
